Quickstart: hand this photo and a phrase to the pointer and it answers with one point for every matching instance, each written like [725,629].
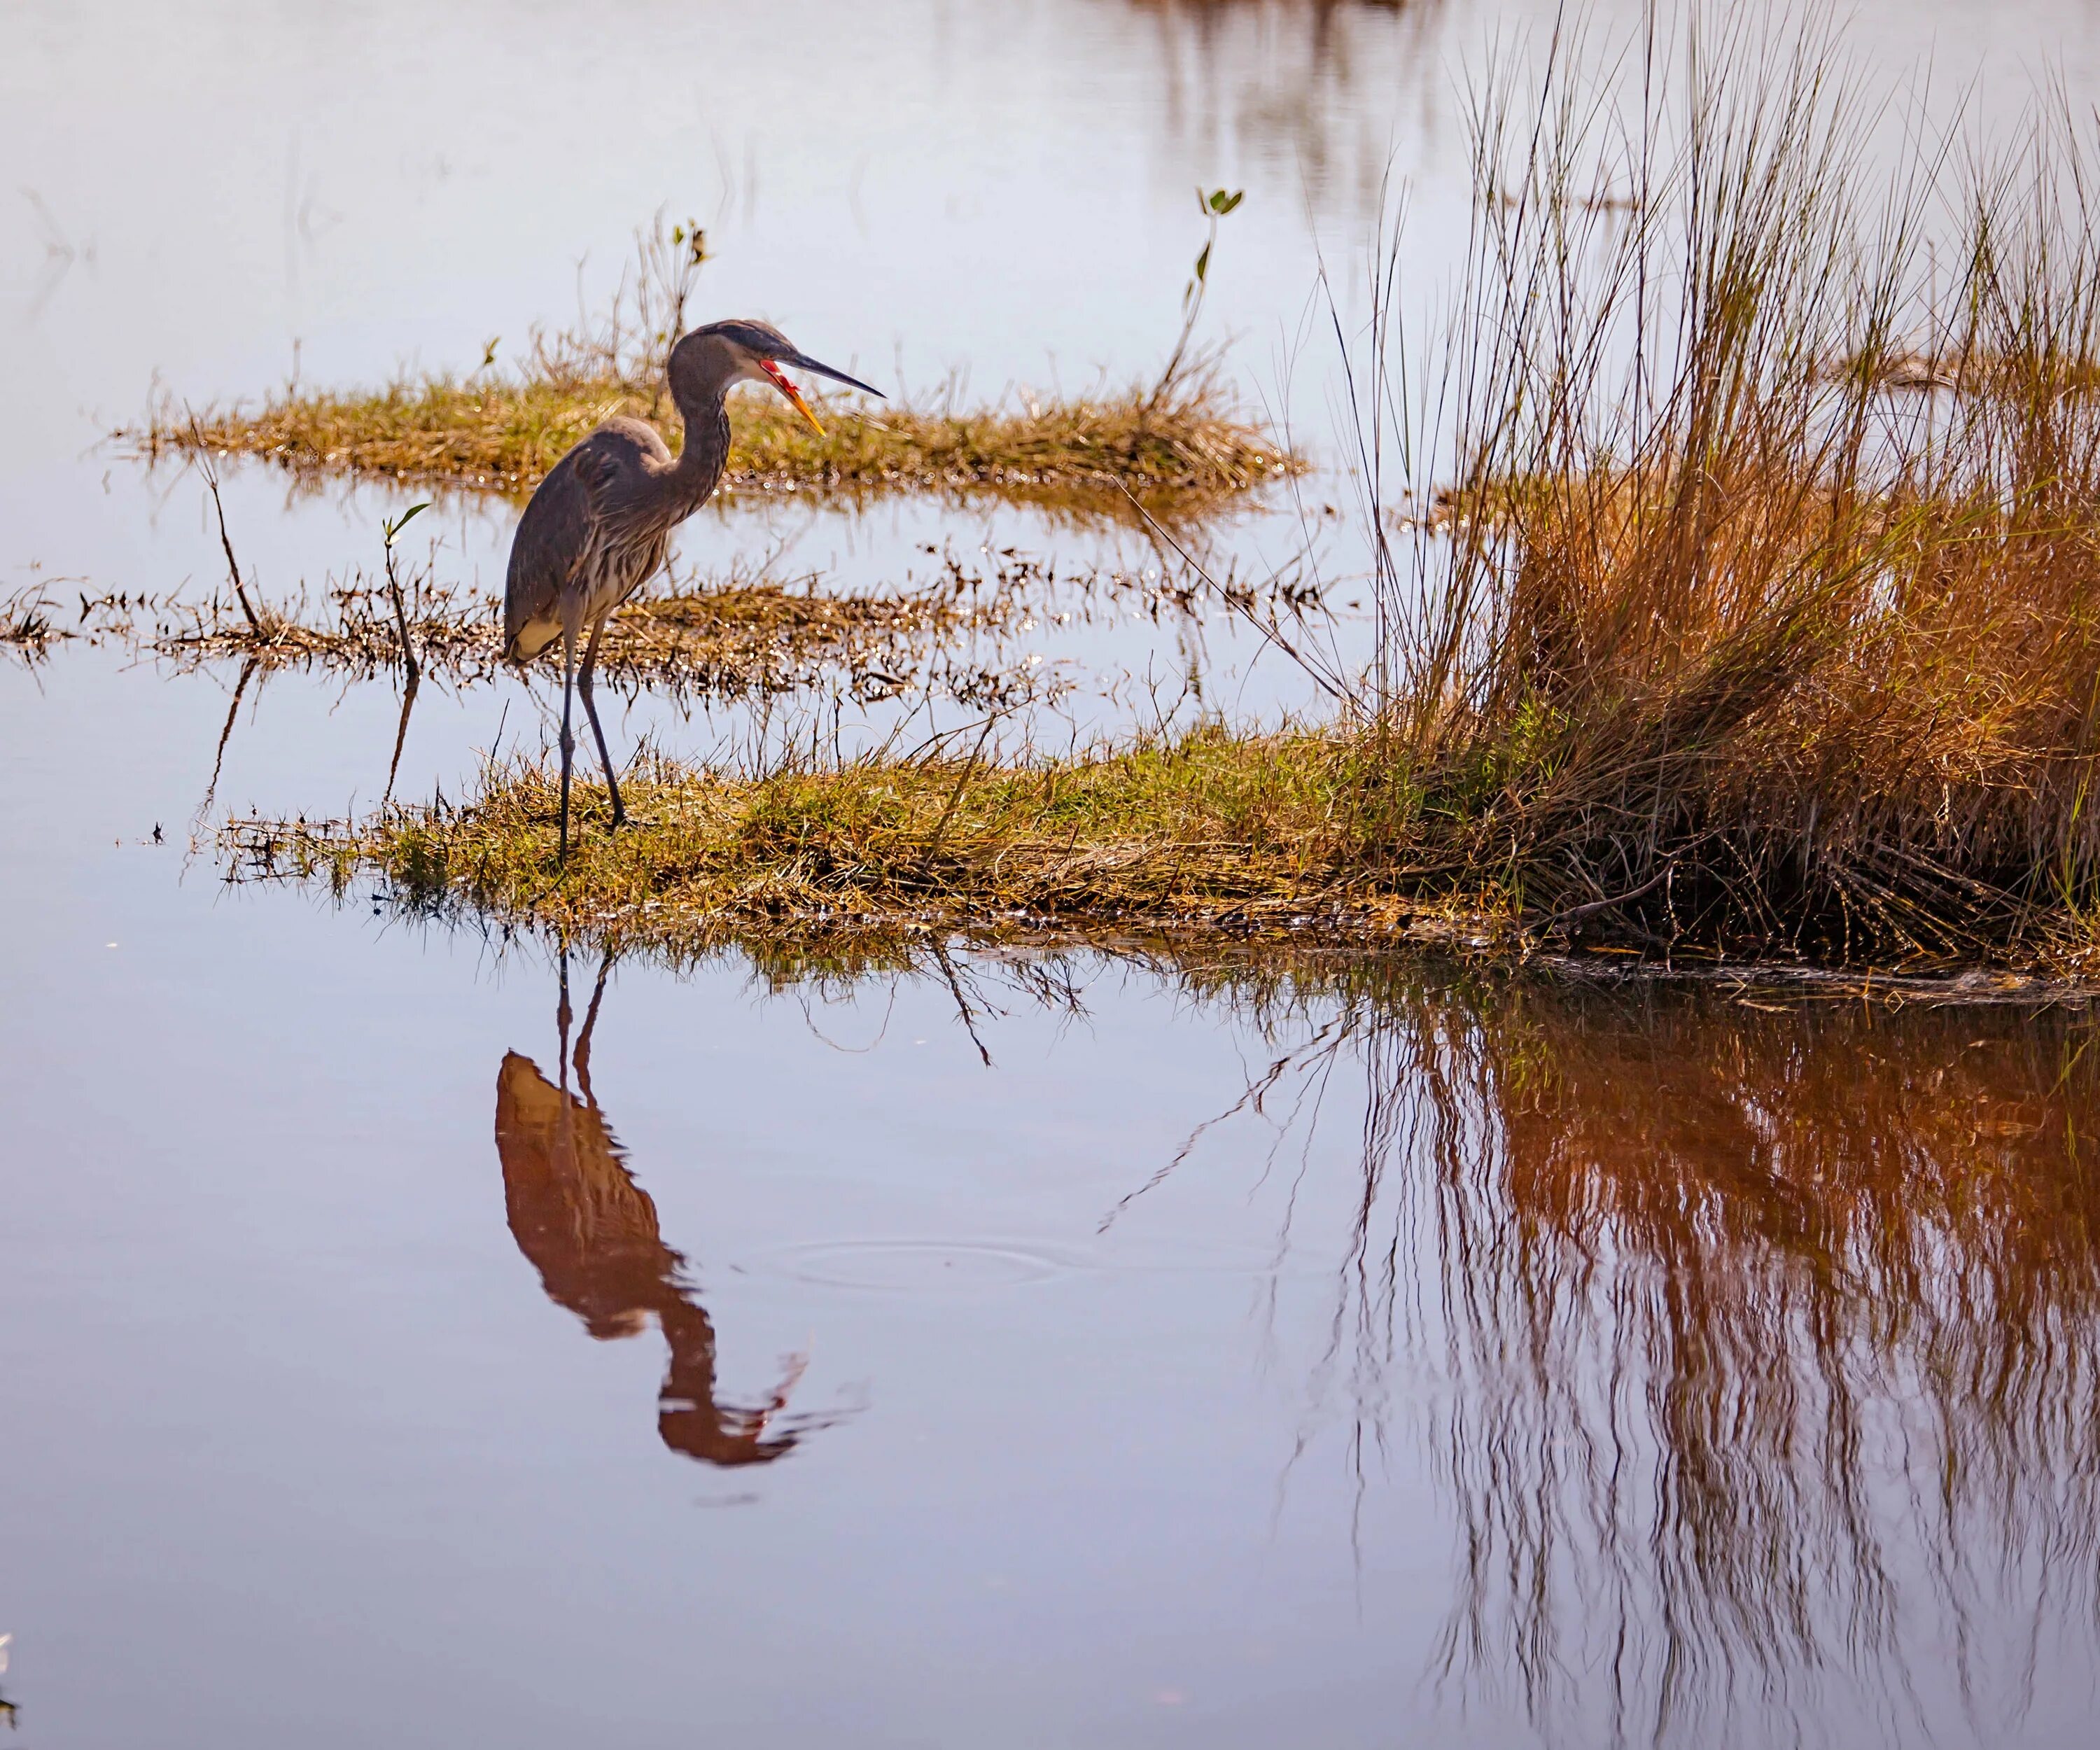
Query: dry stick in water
[962,1003]
[411,670]
[210,473]
[1595,907]
[392,529]
[400,733]
[218,755]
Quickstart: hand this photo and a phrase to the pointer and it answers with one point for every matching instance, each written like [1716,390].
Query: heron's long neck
[689,483]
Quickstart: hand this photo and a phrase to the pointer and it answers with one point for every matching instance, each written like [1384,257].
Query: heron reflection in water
[592,1234]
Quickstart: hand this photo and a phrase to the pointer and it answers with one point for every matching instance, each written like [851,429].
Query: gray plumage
[599,526]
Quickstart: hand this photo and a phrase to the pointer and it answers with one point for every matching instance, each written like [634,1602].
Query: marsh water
[413,1334]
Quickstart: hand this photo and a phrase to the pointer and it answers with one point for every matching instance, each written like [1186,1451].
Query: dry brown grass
[1733,648]
[27,627]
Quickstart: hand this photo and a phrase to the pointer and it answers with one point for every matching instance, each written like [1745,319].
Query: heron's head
[712,360]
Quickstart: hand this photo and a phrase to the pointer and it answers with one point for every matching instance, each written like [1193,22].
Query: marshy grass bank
[1210,828]
[1295,835]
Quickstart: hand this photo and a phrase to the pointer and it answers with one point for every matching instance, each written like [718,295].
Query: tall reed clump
[1763,610]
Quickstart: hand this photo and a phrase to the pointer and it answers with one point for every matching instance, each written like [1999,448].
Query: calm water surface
[407,1335]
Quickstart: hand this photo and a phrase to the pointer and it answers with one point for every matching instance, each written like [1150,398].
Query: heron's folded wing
[596,471]
[555,533]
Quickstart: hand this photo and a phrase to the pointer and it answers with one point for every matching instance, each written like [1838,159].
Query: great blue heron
[598,525]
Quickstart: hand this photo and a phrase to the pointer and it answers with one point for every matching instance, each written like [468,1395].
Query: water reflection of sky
[1003,188]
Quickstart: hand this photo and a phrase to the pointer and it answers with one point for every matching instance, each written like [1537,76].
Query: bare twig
[201,453]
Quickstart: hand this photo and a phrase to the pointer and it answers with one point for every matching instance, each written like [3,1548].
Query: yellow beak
[795,395]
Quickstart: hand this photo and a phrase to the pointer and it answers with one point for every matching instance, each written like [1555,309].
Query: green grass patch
[1210,828]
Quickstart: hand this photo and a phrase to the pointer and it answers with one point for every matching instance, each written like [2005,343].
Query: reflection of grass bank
[503,434]
[1768,1328]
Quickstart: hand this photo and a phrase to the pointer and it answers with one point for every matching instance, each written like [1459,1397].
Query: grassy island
[503,433]
[1732,634]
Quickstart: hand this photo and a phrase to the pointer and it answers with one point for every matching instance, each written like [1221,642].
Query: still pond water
[408,1338]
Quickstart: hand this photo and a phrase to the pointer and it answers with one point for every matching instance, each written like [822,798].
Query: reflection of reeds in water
[1763,1330]
[592,1234]
[1307,85]
[27,627]
[1770,1343]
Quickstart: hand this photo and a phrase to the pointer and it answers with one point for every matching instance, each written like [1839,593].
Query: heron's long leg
[568,740]
[563,1016]
[598,729]
[582,1058]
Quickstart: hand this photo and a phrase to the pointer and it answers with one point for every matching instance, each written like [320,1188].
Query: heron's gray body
[599,527]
